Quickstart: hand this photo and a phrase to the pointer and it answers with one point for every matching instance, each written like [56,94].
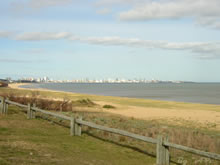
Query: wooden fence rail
[51,113]
[162,144]
[117,131]
[15,103]
[192,150]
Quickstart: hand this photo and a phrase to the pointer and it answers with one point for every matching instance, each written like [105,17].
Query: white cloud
[104,11]
[5,34]
[34,51]
[37,4]
[38,36]
[106,6]
[5,60]
[47,3]
[206,50]
[205,12]
[118,2]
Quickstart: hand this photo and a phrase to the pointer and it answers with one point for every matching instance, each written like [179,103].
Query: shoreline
[18,86]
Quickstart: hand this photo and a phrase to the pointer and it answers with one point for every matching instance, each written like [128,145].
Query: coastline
[163,93]
[145,109]
[18,86]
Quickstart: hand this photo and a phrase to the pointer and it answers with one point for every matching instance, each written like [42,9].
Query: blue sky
[70,39]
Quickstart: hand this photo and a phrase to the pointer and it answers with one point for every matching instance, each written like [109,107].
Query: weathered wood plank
[51,113]
[117,131]
[33,112]
[161,152]
[158,150]
[6,108]
[77,127]
[72,126]
[194,151]
[17,104]
[167,152]
[1,104]
[29,111]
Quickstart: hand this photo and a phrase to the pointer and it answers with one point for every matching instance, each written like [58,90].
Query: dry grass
[201,139]
[195,138]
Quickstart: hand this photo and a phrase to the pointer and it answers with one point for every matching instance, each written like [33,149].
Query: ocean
[206,93]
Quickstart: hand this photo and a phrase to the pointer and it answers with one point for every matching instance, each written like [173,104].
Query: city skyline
[47,79]
[68,39]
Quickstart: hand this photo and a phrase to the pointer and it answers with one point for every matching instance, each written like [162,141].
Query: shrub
[109,106]
[122,138]
[47,104]
[84,102]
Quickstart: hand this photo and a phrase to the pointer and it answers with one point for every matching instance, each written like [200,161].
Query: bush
[3,84]
[47,104]
[109,106]
[84,102]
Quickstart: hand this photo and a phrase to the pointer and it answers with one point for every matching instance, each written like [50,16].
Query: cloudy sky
[69,39]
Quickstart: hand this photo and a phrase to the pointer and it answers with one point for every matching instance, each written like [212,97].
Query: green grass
[37,141]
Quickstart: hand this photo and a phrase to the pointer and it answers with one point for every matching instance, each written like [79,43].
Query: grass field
[97,147]
[39,142]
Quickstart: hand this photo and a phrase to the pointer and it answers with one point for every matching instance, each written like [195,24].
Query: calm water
[208,93]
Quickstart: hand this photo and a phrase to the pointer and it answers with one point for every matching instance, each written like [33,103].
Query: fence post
[162,152]
[33,115]
[72,126]
[2,100]
[29,111]
[77,129]
[6,108]
[167,152]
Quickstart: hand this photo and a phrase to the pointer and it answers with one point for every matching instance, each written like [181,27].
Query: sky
[97,39]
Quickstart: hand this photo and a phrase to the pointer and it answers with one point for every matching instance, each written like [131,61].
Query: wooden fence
[162,144]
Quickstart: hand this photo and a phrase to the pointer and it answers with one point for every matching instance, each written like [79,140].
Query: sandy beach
[16,85]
